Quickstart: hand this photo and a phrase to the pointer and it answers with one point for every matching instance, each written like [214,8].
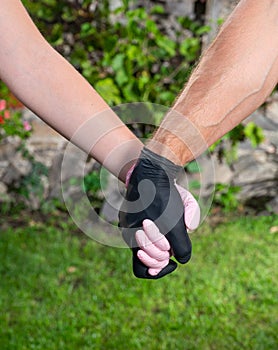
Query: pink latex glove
[155,249]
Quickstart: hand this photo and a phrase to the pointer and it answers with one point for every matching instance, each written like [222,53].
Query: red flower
[1,120]
[7,114]
[27,126]
[3,105]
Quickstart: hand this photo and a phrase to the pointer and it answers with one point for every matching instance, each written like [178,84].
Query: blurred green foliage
[124,54]
[11,122]
[226,197]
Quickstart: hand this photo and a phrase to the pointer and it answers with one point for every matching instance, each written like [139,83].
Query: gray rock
[8,147]
[247,170]
[261,118]
[3,167]
[3,189]
[216,10]
[11,175]
[180,8]
[22,166]
[257,175]
[114,4]
[5,197]
[272,205]
[54,177]
[113,195]
[272,109]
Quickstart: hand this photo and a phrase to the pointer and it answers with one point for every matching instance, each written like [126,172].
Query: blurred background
[61,290]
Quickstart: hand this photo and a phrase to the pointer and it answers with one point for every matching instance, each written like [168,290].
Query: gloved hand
[155,250]
[152,194]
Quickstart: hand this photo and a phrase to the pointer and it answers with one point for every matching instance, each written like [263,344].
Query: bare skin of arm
[46,83]
[234,77]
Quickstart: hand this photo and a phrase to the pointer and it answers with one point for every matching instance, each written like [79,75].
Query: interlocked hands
[165,210]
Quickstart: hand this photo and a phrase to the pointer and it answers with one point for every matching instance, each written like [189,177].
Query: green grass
[225,298]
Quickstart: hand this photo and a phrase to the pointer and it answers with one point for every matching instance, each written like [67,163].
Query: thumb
[192,212]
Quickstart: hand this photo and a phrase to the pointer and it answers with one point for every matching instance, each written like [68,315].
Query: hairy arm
[234,77]
[46,83]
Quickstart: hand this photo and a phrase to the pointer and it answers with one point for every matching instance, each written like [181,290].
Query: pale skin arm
[234,77]
[46,83]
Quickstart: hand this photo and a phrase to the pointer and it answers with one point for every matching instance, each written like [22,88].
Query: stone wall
[217,10]
[45,145]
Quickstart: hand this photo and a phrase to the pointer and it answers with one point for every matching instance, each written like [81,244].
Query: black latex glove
[151,194]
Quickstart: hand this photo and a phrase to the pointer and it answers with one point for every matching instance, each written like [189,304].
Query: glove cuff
[170,168]
[128,175]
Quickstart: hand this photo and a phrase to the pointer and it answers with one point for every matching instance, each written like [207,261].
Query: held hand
[155,249]
[152,194]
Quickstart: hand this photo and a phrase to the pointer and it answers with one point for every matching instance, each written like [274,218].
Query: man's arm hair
[233,78]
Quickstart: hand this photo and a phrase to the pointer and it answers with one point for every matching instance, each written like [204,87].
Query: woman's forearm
[234,77]
[47,84]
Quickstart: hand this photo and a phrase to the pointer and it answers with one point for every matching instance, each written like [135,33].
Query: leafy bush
[11,123]
[13,126]
[226,147]
[124,53]
[226,197]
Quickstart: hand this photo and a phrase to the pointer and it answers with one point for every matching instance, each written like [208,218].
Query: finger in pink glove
[155,248]
[192,212]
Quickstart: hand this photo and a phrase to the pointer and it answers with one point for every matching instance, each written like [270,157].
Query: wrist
[156,160]
[159,163]
[170,146]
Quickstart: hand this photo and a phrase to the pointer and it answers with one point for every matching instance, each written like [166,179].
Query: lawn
[61,290]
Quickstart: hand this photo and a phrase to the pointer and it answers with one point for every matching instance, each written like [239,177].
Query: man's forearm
[46,83]
[233,78]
